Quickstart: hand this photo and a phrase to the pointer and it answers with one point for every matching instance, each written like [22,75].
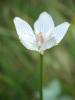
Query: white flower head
[45,34]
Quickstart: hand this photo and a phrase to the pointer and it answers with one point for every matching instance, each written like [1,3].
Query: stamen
[39,39]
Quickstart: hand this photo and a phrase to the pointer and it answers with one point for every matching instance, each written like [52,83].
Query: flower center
[39,39]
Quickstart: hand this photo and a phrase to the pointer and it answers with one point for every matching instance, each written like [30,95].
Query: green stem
[41,77]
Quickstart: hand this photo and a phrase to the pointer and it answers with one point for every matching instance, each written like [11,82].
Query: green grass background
[19,67]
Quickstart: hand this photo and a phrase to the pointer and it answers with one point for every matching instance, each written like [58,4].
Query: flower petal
[58,34]
[25,33]
[60,31]
[22,27]
[28,44]
[44,24]
[48,44]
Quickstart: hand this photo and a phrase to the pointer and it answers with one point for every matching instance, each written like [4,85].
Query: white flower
[45,34]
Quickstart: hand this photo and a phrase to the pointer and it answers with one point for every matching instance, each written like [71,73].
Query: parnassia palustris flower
[45,34]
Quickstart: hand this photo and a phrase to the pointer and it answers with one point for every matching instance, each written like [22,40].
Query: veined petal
[60,31]
[25,33]
[28,44]
[48,44]
[58,34]
[44,24]
[22,28]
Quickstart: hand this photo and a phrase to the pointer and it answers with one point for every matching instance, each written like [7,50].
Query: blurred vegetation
[19,67]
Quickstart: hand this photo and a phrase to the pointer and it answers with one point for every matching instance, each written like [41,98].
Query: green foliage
[19,67]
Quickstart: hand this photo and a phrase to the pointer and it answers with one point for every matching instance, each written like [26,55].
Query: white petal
[58,34]
[29,45]
[60,31]
[23,27]
[48,44]
[25,33]
[44,24]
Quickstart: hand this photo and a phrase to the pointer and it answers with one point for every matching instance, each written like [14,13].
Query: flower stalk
[41,76]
